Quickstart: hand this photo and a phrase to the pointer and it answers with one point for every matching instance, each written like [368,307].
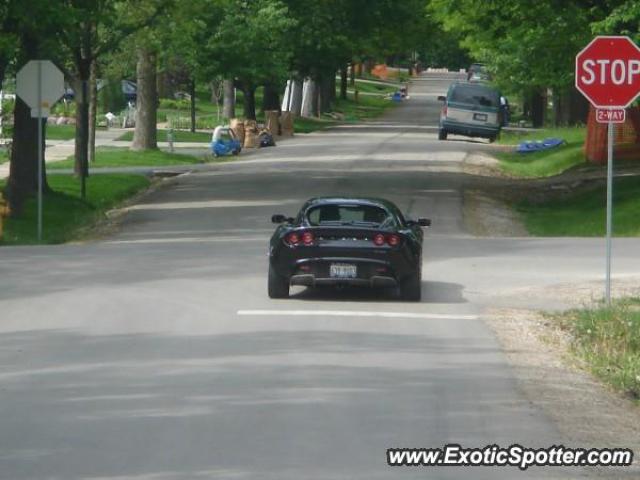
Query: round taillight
[378,239]
[393,240]
[307,238]
[292,238]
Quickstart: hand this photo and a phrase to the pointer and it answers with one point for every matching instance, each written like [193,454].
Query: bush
[171,104]
[64,109]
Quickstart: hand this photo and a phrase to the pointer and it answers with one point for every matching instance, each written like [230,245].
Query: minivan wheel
[492,139]
[442,134]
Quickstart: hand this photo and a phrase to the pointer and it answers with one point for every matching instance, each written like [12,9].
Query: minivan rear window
[475,95]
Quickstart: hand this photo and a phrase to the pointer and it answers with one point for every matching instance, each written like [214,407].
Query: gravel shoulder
[588,413]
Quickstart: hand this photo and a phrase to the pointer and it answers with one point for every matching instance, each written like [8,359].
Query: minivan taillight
[444,111]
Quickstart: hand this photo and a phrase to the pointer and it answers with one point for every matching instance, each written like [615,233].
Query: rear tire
[442,134]
[492,139]
[278,285]
[411,288]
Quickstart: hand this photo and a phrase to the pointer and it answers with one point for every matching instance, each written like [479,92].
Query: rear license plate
[342,270]
[481,117]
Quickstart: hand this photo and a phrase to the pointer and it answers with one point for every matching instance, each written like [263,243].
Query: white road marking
[355,313]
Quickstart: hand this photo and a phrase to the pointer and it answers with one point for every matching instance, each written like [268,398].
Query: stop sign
[608,71]
[40,80]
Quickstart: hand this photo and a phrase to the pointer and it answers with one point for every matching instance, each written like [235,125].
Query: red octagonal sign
[608,72]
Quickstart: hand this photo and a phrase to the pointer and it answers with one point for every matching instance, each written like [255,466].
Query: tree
[251,45]
[145,136]
[87,31]
[25,38]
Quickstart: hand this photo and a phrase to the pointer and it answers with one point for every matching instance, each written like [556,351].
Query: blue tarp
[538,145]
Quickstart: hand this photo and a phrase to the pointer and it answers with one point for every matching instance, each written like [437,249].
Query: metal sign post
[610,139]
[608,75]
[40,148]
[609,116]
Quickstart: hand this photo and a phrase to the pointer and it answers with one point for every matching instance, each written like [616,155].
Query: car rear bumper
[310,280]
[469,129]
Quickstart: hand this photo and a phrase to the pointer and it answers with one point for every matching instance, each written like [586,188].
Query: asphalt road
[156,354]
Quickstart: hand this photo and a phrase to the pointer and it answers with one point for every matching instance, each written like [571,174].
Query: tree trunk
[229,101]
[315,105]
[538,107]
[81,85]
[296,97]
[93,110]
[332,87]
[271,98]
[310,100]
[352,81]
[192,94]
[23,166]
[343,83]
[161,84]
[324,95]
[145,136]
[578,108]
[23,169]
[249,96]
[368,65]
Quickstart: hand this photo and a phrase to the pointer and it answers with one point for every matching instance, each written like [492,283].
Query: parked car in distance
[347,241]
[471,109]
[478,72]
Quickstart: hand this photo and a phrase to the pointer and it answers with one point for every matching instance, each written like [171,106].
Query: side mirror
[424,222]
[442,98]
[278,218]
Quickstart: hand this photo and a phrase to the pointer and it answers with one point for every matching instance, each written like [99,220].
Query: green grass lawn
[583,214]
[367,108]
[569,134]
[178,136]
[53,132]
[380,88]
[123,157]
[65,216]
[3,156]
[61,132]
[308,125]
[608,340]
[546,163]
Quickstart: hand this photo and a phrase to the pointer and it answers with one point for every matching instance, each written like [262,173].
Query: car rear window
[475,95]
[349,214]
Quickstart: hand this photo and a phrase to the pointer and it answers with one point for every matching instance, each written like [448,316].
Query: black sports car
[347,241]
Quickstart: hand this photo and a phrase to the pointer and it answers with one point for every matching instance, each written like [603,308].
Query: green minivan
[471,109]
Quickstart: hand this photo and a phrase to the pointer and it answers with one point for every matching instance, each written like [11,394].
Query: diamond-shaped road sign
[42,74]
[608,71]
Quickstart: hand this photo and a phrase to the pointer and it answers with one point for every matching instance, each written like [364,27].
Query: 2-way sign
[608,72]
